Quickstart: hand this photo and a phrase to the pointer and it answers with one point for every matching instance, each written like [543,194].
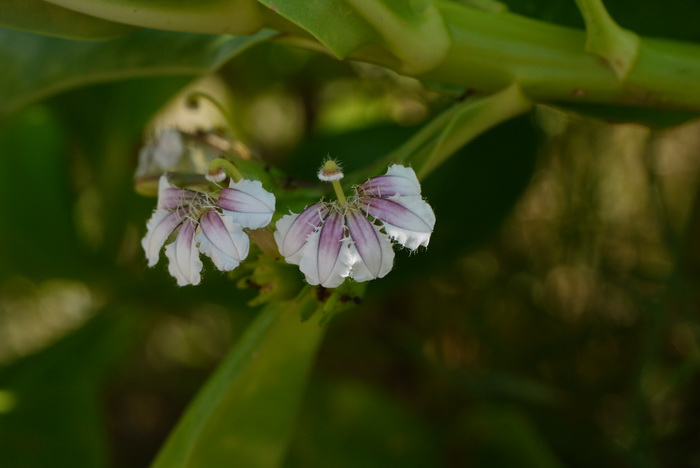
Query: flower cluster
[203,224]
[331,241]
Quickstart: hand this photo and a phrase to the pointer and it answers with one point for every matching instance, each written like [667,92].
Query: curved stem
[227,166]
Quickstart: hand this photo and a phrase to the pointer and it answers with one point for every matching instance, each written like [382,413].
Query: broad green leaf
[412,31]
[202,16]
[41,17]
[245,414]
[322,19]
[51,413]
[38,66]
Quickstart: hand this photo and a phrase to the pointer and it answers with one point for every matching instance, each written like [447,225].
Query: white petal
[222,240]
[248,203]
[326,257]
[373,256]
[408,220]
[399,180]
[185,264]
[158,228]
[293,230]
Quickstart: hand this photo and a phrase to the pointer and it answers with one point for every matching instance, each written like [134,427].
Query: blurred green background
[552,322]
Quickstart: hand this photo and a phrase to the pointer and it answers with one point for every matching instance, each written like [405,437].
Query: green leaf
[41,17]
[317,17]
[35,67]
[411,31]
[203,16]
[244,415]
[50,410]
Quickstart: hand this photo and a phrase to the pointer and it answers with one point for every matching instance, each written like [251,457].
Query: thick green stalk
[605,38]
[551,65]
[491,50]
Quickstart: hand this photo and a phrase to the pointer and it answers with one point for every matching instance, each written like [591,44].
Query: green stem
[227,166]
[550,63]
[491,50]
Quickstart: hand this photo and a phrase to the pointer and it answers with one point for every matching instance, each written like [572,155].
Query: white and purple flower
[331,241]
[205,224]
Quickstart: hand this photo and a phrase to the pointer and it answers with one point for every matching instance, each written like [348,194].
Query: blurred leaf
[245,414]
[42,17]
[413,33]
[314,15]
[505,437]
[52,413]
[478,186]
[349,425]
[474,191]
[655,118]
[38,66]
[203,16]
[37,235]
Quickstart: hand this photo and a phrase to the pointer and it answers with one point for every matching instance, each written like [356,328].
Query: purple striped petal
[329,243]
[174,198]
[399,180]
[185,264]
[222,240]
[373,254]
[408,220]
[248,203]
[171,198]
[292,231]
[158,229]
[326,258]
